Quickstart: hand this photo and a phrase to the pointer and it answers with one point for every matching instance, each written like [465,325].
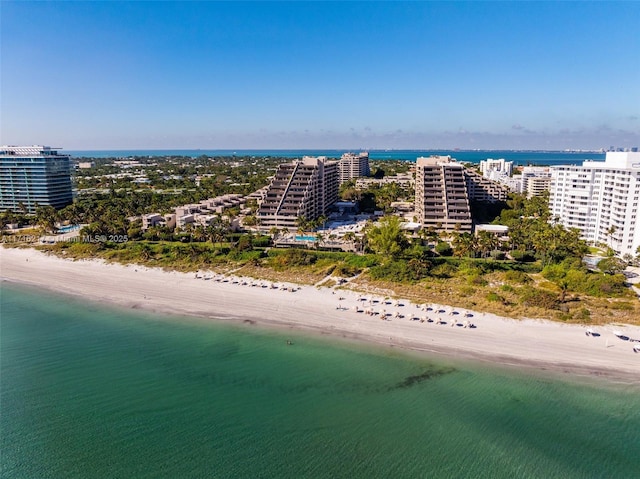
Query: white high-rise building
[600,199]
[501,167]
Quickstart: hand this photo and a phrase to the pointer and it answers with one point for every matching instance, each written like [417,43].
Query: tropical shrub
[517,277]
[534,297]
[444,249]
[522,256]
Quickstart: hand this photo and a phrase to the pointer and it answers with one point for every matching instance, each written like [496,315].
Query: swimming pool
[68,229]
[306,238]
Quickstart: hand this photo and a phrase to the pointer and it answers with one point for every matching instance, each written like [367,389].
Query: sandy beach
[534,343]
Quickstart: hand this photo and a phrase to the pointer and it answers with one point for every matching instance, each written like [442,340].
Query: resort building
[304,188]
[353,165]
[32,176]
[600,199]
[441,194]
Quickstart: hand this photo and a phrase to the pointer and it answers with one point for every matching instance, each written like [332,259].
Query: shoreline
[532,344]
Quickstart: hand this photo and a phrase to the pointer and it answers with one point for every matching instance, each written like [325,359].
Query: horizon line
[566,150]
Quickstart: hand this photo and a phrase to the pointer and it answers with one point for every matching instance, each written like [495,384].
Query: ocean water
[473,156]
[92,392]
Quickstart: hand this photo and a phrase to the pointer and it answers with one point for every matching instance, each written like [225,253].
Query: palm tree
[610,232]
[301,223]
[216,232]
[388,238]
[563,284]
[145,251]
[349,236]
[432,235]
[46,217]
[199,234]
[464,244]
[487,242]
[274,232]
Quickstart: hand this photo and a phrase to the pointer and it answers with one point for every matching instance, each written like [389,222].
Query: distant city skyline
[316,75]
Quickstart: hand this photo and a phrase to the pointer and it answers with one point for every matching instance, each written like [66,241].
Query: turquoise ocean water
[92,392]
[472,156]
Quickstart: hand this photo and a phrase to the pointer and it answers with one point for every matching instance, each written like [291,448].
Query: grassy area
[494,293]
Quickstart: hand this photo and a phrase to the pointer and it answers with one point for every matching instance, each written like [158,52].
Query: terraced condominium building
[441,194]
[353,165]
[483,189]
[304,188]
[600,198]
[32,176]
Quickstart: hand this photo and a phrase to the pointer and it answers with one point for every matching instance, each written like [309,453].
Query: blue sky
[103,75]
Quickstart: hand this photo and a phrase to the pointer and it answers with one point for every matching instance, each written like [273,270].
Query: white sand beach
[537,343]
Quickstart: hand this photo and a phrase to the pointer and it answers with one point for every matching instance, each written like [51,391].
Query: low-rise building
[500,231]
[155,220]
[402,179]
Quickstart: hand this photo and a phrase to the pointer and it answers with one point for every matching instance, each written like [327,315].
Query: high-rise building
[600,199]
[498,167]
[441,194]
[305,188]
[32,176]
[535,180]
[353,165]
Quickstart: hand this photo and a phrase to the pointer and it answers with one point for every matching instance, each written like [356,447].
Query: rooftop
[28,150]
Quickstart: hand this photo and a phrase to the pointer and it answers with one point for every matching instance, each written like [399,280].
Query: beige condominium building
[600,198]
[444,190]
[353,165]
[484,190]
[304,188]
[441,194]
[535,180]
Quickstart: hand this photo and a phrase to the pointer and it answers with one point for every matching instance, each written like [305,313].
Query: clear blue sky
[106,75]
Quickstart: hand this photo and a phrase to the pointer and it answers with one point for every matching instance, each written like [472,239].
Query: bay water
[542,158]
[89,391]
